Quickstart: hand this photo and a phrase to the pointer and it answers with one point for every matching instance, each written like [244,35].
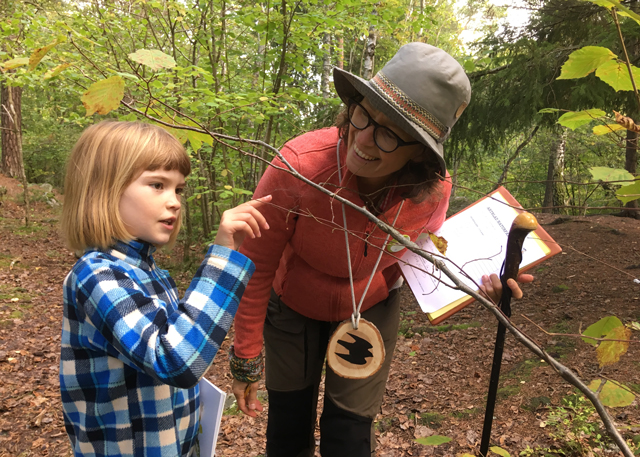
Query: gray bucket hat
[422,89]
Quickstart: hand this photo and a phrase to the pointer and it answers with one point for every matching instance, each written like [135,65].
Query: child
[132,351]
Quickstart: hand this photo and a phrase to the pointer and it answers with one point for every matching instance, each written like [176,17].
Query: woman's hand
[247,397]
[241,221]
[492,286]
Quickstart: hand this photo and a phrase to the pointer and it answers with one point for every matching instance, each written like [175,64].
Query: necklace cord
[355,317]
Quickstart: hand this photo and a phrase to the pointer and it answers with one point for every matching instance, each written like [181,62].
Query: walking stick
[520,228]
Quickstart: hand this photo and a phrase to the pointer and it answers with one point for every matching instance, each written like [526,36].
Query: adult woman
[386,154]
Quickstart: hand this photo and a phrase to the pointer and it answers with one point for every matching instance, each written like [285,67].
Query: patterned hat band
[405,105]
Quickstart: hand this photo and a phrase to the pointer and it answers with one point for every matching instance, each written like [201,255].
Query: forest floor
[439,376]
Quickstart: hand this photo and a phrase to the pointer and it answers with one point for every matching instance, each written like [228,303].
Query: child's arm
[175,347]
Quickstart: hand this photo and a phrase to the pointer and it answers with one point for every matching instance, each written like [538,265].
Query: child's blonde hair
[106,159]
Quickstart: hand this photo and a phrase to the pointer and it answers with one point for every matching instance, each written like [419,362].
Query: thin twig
[575,335]
[626,55]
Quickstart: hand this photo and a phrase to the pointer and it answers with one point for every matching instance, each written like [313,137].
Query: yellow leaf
[263,99]
[609,352]
[228,187]
[52,73]
[15,63]
[153,58]
[224,172]
[104,96]
[38,54]
[440,243]
[604,129]
[15,299]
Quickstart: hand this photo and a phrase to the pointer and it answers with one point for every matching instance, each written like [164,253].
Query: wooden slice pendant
[355,354]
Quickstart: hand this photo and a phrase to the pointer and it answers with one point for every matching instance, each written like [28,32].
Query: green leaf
[434,440]
[153,59]
[629,193]
[610,174]
[622,10]
[548,110]
[15,63]
[601,328]
[609,352]
[616,74]
[53,72]
[575,119]
[127,75]
[498,450]
[608,128]
[612,394]
[584,61]
[103,96]
[39,53]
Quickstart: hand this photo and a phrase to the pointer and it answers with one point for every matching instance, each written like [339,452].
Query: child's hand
[492,286]
[243,220]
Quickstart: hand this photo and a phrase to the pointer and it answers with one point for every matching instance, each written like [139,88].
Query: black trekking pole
[520,228]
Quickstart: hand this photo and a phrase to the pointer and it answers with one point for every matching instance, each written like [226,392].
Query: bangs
[164,152]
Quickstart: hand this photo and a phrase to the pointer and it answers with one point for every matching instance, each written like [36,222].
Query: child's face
[150,205]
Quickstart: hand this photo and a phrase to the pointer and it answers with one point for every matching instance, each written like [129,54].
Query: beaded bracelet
[245,370]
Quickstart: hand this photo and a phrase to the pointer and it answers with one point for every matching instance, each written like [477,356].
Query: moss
[507,391]
[466,414]
[386,424]
[559,288]
[431,419]
[8,293]
[522,371]
[422,329]
[5,260]
[536,402]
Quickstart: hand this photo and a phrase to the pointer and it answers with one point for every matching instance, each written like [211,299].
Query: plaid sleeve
[175,347]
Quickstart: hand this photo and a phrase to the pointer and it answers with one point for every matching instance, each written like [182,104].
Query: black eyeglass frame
[400,142]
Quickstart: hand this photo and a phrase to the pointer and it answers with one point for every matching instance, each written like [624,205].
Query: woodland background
[261,71]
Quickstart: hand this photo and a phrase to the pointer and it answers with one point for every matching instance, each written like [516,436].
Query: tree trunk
[11,139]
[554,195]
[340,52]
[631,165]
[520,147]
[10,98]
[326,65]
[369,53]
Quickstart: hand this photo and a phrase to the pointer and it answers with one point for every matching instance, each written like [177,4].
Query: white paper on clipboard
[211,407]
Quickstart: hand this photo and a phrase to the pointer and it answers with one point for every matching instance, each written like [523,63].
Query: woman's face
[370,163]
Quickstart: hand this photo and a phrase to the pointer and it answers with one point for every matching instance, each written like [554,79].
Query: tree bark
[369,53]
[12,163]
[520,147]
[631,165]
[11,101]
[326,65]
[554,195]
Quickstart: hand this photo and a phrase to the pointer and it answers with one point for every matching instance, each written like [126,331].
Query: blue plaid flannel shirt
[133,352]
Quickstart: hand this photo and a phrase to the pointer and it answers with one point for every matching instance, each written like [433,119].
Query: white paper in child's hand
[211,407]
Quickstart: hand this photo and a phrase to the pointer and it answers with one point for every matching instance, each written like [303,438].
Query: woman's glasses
[385,139]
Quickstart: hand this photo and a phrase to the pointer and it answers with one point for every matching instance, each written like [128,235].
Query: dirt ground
[439,377]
